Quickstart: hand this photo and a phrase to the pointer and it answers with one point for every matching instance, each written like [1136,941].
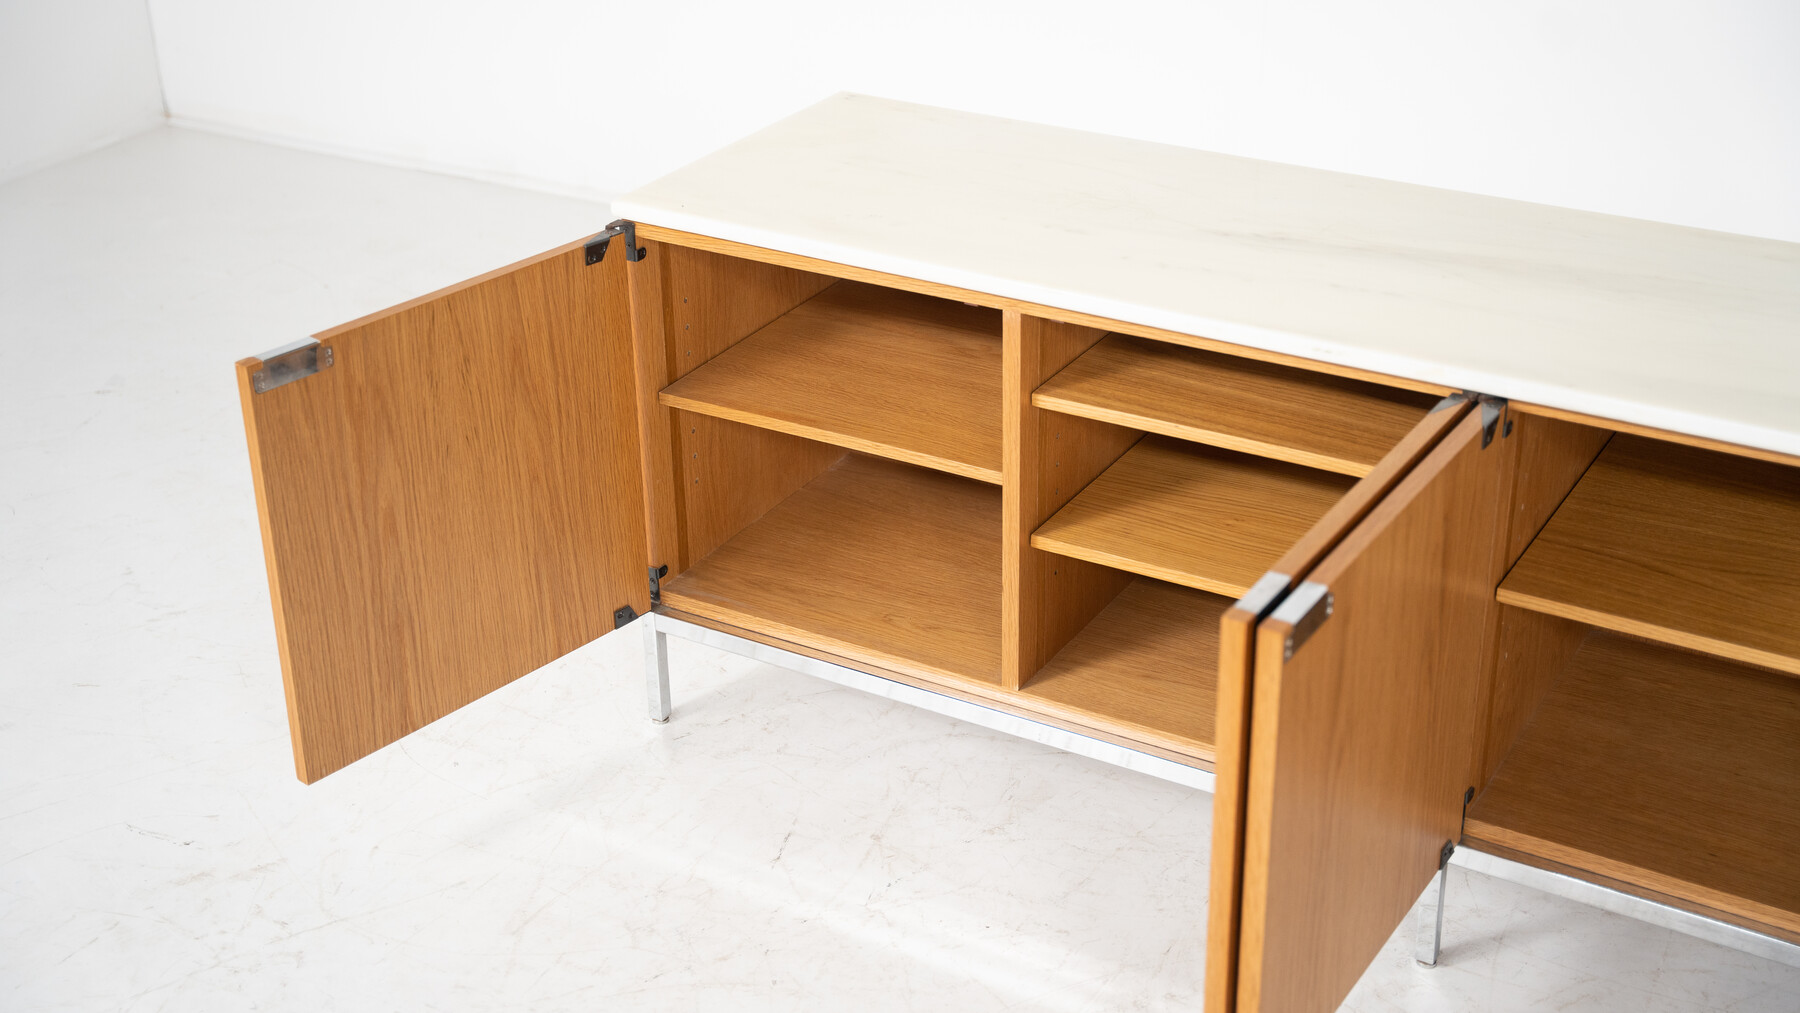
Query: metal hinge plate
[296,361]
[1265,593]
[1491,410]
[623,615]
[596,247]
[1305,611]
[1449,401]
[657,573]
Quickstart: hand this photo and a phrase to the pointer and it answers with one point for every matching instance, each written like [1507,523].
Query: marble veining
[1655,324]
[784,844]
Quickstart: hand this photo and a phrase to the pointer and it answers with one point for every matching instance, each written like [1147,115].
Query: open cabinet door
[450,496]
[1237,660]
[1368,689]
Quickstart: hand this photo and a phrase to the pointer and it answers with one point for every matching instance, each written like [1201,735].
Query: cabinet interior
[1649,638]
[1042,516]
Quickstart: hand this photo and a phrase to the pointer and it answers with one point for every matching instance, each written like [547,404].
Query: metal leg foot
[656,668]
[1429,929]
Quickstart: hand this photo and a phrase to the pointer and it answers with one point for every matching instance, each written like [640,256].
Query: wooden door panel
[1237,644]
[454,501]
[1363,735]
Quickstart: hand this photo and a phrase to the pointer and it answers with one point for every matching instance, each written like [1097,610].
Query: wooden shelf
[1193,515]
[1146,666]
[1255,407]
[873,560]
[1673,774]
[1686,546]
[874,369]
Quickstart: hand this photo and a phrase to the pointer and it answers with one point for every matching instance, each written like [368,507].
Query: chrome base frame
[1428,938]
[1430,913]
[1630,905]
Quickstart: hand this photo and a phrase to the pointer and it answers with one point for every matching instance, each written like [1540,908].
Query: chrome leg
[656,667]
[1429,937]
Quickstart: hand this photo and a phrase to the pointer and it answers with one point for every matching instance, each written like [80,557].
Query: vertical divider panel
[1046,459]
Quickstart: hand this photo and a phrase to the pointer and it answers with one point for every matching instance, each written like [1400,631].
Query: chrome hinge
[296,361]
[1305,611]
[1265,594]
[657,573]
[596,247]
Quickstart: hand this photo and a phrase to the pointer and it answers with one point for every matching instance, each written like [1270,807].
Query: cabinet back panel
[1667,770]
[732,473]
[721,475]
[715,301]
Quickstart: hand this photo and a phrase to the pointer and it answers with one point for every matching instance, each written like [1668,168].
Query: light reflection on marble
[783,844]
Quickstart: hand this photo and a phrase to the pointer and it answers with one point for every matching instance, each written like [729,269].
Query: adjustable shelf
[1192,515]
[882,562]
[1676,544]
[873,369]
[1668,773]
[1239,404]
[1147,665]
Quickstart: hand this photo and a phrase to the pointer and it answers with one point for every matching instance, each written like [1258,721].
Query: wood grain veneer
[1359,741]
[885,372]
[718,475]
[987,694]
[1237,645]
[1686,546]
[1675,773]
[1148,664]
[1198,516]
[1553,454]
[873,560]
[1240,404]
[1047,459]
[455,502]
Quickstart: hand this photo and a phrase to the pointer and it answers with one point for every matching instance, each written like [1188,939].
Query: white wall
[1680,111]
[74,75]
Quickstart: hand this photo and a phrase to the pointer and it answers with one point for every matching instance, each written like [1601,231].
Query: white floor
[783,844]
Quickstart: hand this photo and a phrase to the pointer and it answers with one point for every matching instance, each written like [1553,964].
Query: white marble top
[1660,325]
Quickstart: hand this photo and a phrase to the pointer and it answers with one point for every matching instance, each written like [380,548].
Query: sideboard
[1408,519]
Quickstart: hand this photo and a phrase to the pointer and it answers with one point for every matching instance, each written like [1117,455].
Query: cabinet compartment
[1199,516]
[1650,632]
[1147,665]
[882,562]
[1273,411]
[1662,772]
[1676,544]
[873,369]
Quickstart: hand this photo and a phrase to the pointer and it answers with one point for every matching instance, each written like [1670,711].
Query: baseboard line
[377,157]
